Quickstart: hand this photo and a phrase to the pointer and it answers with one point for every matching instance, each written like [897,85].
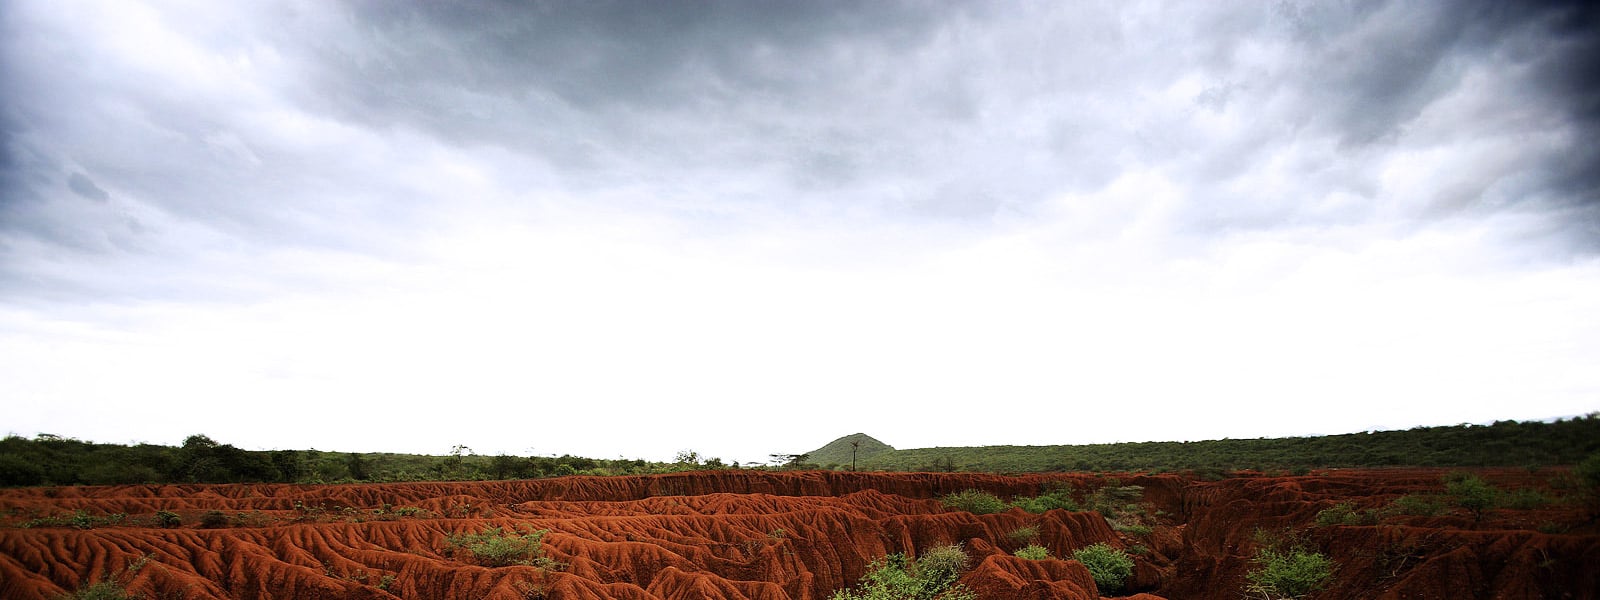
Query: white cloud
[324,227]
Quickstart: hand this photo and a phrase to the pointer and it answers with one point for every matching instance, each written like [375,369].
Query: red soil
[770,536]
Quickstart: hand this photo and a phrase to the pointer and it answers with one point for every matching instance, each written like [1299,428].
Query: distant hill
[837,452]
[1502,444]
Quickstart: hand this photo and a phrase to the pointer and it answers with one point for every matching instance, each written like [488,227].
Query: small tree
[1472,493]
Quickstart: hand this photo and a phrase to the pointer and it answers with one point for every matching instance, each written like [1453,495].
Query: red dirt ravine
[771,536]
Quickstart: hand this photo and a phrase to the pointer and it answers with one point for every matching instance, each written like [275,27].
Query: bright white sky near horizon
[629,229]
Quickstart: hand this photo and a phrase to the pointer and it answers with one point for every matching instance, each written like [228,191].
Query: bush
[100,590]
[1133,528]
[1522,499]
[213,519]
[1417,505]
[1345,513]
[1055,496]
[1034,552]
[1113,500]
[79,519]
[1472,493]
[1588,472]
[168,519]
[1288,573]
[977,502]
[895,577]
[1109,566]
[495,547]
[1024,534]
[114,587]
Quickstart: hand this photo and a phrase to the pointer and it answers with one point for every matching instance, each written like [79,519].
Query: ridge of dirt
[773,536]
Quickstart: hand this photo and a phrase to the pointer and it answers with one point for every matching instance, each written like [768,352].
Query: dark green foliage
[16,470]
[895,577]
[168,519]
[1588,472]
[53,460]
[1109,566]
[977,502]
[355,466]
[214,519]
[202,459]
[1504,443]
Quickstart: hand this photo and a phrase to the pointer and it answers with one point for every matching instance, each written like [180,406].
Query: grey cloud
[81,185]
[905,110]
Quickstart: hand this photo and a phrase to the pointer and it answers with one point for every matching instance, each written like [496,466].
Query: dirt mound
[763,535]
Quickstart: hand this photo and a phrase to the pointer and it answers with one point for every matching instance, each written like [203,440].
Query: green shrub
[1109,566]
[495,547]
[1291,573]
[100,590]
[1472,493]
[1345,513]
[1024,534]
[1133,528]
[79,519]
[1417,505]
[1034,552]
[943,565]
[895,577]
[977,502]
[213,519]
[113,587]
[1055,496]
[1522,499]
[168,519]
[1113,500]
[1588,472]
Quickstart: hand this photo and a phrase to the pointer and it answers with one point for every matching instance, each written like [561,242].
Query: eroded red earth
[770,536]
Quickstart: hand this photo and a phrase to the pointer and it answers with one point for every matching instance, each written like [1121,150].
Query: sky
[628,229]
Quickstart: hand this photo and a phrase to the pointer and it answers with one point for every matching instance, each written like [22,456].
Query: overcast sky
[629,229]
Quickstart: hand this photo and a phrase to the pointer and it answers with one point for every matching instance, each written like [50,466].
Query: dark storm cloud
[1378,66]
[571,82]
[311,125]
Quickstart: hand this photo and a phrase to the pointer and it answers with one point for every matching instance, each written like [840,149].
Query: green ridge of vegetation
[1504,443]
[838,453]
[54,460]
